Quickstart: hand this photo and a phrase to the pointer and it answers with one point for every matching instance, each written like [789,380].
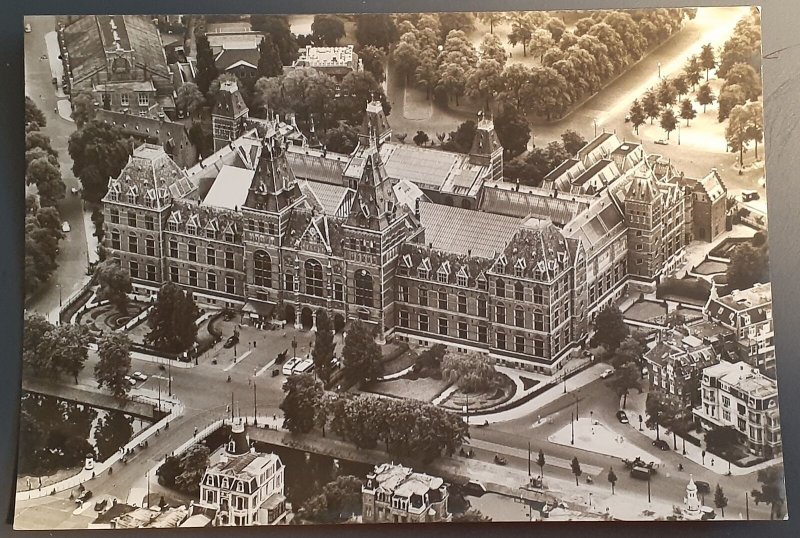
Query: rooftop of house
[328,197]
[592,226]
[327,57]
[743,377]
[149,174]
[248,465]
[227,59]
[230,189]
[402,481]
[233,40]
[521,201]
[755,302]
[147,518]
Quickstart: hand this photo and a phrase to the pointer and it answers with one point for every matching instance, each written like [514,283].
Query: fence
[81,294]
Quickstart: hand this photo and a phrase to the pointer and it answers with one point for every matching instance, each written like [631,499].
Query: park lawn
[645,311]
[424,389]
[400,363]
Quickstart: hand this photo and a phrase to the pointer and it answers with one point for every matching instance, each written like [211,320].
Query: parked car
[28,28]
[130,380]
[289,365]
[232,341]
[702,487]
[642,473]
[140,376]
[99,506]
[661,142]
[608,372]
[85,496]
[500,460]
[65,227]
[750,195]
[622,417]
[661,444]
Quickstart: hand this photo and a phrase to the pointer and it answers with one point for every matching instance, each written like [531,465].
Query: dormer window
[483,284]
[132,193]
[519,267]
[150,198]
[462,278]
[443,274]
[191,229]
[422,273]
[172,223]
[502,262]
[113,192]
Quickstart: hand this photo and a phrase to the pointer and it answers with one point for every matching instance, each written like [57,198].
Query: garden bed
[711,267]
[691,290]
[481,401]
[106,317]
[528,383]
[646,311]
[423,389]
[727,246]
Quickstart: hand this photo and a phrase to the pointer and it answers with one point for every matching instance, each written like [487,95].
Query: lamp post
[60,302]
[169,374]
[572,427]
[576,394]
[659,69]
[255,404]
[294,347]
[678,125]
[595,126]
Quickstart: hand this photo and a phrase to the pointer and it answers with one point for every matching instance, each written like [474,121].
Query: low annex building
[424,245]
[396,494]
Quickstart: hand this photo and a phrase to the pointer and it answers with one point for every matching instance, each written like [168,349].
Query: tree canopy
[610,329]
[115,284]
[327,29]
[99,151]
[172,320]
[361,355]
[301,403]
[114,364]
[324,347]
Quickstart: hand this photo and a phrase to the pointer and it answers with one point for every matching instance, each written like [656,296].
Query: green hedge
[694,288]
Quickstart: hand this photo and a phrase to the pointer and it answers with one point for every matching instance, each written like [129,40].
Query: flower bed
[481,401]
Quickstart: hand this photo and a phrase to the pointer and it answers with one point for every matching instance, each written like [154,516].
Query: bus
[306,366]
[289,365]
[642,473]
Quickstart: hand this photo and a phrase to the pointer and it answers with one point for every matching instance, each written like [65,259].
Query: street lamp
[659,69]
[576,394]
[679,133]
[294,347]
[572,427]
[59,295]
[595,126]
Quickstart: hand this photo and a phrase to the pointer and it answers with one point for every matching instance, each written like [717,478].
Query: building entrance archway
[306,318]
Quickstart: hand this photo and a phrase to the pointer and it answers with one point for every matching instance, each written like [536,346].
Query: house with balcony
[740,396]
[396,494]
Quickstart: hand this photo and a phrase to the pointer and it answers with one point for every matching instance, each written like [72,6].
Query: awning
[258,308]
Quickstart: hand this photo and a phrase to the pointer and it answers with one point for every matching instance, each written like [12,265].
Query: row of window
[210,231]
[132,219]
[143,99]
[193,278]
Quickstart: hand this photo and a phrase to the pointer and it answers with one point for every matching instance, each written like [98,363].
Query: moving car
[661,142]
[661,444]
[232,341]
[750,195]
[140,376]
[608,372]
[622,417]
[702,487]
[65,227]
[85,496]
[642,473]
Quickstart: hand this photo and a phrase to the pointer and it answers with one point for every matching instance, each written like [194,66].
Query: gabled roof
[149,175]
[461,231]
[545,251]
[231,58]
[274,186]
[642,189]
[504,199]
[229,101]
[230,189]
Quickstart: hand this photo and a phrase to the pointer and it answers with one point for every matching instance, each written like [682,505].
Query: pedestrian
[712,462]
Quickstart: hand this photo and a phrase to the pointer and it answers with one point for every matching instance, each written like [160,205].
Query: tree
[115,363]
[421,138]
[360,353]
[576,469]
[33,114]
[612,479]
[748,266]
[200,139]
[47,178]
[721,439]
[42,234]
[327,29]
[492,47]
[84,108]
[485,80]
[427,71]
[462,21]
[115,284]
[662,409]
[556,27]
[773,490]
[301,402]
[113,431]
[687,111]
[37,345]
[406,54]
[610,329]
[277,26]
[471,516]
[540,42]
[730,96]
[470,372]
[549,88]
[747,78]
[680,85]
[626,377]
[269,58]
[172,320]
[668,121]
[720,500]
[189,98]
[708,60]
[206,68]
[583,25]
[461,139]
[637,115]
[71,348]
[376,30]
[356,89]
[754,124]
[512,129]
[168,471]
[705,96]
[374,61]
[492,18]
[324,346]
[691,71]
[650,105]
[338,500]
[572,141]
[666,93]
[341,139]
[99,151]
[540,461]
[193,464]
[521,30]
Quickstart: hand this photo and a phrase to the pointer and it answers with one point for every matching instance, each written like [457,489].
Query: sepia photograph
[396,268]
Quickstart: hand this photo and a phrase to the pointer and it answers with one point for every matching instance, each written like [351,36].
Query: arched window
[537,294]
[519,317]
[364,288]
[262,269]
[519,291]
[500,287]
[314,278]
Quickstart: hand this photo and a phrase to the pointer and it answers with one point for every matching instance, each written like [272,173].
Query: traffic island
[592,436]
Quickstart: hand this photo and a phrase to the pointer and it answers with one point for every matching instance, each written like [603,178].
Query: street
[72,258]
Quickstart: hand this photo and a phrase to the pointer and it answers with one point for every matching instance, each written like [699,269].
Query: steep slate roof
[414,254]
[231,58]
[711,185]
[591,227]
[642,189]
[171,135]
[457,230]
[756,302]
[274,185]
[229,101]
[150,174]
[328,197]
[542,252]
[375,205]
[185,211]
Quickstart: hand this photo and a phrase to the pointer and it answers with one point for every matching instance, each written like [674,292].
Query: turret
[486,148]
[375,123]
[229,114]
[238,443]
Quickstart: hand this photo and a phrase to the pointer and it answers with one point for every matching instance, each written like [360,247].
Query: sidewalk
[556,391]
[716,464]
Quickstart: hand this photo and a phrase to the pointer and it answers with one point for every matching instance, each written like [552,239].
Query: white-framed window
[144,99]
[124,99]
